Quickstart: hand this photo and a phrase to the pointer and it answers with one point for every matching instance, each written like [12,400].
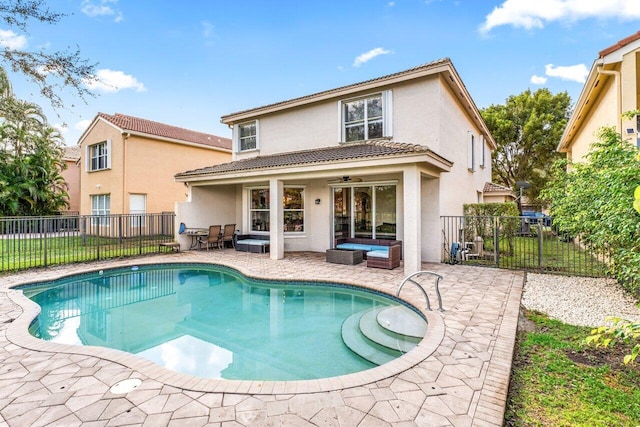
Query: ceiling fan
[344,179]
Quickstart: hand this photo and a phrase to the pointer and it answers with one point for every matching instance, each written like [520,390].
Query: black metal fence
[521,243]
[27,242]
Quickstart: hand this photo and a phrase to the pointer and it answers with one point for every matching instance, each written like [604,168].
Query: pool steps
[381,334]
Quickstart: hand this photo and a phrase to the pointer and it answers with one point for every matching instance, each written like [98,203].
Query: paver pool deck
[459,377]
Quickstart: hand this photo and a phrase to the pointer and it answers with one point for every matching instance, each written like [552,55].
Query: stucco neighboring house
[612,88]
[71,175]
[496,193]
[381,159]
[128,163]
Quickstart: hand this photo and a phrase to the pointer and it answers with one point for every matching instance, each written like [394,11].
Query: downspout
[618,84]
[125,136]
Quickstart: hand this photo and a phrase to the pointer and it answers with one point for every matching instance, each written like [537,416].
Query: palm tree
[30,158]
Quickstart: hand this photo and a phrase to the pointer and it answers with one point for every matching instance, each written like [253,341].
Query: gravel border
[581,301]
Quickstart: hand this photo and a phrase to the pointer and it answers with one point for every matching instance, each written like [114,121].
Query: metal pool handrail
[410,277]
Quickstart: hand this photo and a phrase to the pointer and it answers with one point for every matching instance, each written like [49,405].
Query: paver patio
[463,382]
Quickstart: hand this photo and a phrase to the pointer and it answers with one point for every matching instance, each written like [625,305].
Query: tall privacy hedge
[479,221]
[594,201]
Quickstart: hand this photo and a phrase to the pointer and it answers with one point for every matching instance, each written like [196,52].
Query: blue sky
[188,63]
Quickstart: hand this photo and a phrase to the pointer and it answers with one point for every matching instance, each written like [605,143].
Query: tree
[527,130]
[30,158]
[50,71]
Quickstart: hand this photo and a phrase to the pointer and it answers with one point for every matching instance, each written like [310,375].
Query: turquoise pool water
[208,321]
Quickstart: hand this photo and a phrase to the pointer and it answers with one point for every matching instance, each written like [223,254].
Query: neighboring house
[71,175]
[128,163]
[495,193]
[384,159]
[612,88]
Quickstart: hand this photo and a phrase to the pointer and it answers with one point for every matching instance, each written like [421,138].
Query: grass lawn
[557,381]
[19,254]
[557,255]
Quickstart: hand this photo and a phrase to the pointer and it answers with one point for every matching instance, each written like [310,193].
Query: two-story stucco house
[381,159]
[128,163]
[612,88]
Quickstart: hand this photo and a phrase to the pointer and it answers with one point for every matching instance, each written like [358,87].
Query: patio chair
[211,239]
[227,235]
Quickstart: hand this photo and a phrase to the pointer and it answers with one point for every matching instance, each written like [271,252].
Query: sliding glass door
[365,211]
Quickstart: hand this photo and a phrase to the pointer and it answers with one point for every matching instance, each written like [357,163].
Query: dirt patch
[599,356]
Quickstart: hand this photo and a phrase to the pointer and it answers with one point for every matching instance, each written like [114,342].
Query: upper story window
[98,156]
[471,154]
[246,136]
[366,118]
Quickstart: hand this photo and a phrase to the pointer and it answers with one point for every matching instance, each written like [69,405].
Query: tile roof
[71,153]
[622,43]
[342,88]
[149,127]
[352,151]
[490,187]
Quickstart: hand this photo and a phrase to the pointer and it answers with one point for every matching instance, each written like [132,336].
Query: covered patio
[304,201]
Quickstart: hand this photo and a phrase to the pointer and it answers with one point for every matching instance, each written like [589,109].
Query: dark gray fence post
[540,243]
[496,241]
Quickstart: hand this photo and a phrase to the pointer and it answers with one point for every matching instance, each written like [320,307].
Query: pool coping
[18,334]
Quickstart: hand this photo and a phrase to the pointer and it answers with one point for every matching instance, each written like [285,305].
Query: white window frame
[483,158]
[372,185]
[250,209]
[387,115]
[288,233]
[133,219]
[103,202]
[471,154]
[284,210]
[89,157]
[237,140]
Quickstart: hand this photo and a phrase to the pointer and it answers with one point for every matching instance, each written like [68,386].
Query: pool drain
[125,386]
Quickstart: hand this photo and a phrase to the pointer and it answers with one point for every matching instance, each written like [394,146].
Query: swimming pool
[213,322]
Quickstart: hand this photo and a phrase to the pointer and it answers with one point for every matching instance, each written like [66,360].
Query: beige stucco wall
[425,112]
[141,165]
[415,121]
[460,185]
[71,176]
[606,109]
[603,113]
[109,181]
[215,205]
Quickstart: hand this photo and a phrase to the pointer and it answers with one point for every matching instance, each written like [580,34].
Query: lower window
[101,206]
[293,207]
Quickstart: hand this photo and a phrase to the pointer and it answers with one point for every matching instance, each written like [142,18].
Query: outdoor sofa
[255,243]
[379,253]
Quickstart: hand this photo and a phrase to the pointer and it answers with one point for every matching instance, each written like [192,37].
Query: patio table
[195,233]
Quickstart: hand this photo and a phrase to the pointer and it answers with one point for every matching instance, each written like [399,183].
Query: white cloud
[538,80]
[368,56]
[62,128]
[82,125]
[534,14]
[11,40]
[114,81]
[576,73]
[207,29]
[101,8]
[391,4]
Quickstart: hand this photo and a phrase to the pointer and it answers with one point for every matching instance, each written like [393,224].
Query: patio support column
[412,200]
[276,218]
